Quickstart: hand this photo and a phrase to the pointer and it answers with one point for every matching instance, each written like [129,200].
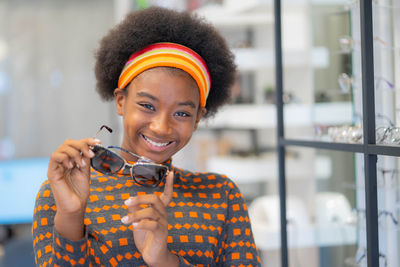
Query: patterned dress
[208,224]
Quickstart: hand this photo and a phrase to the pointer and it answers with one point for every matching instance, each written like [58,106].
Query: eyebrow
[144,94]
[185,103]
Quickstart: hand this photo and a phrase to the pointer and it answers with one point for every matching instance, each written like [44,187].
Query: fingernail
[128,201]
[83,163]
[97,140]
[124,219]
[91,153]
[135,224]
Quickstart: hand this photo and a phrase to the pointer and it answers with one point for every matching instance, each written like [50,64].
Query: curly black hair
[155,24]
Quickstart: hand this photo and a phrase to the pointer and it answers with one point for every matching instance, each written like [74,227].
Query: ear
[120,97]
[200,114]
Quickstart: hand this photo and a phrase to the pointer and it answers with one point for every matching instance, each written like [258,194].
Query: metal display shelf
[368,148]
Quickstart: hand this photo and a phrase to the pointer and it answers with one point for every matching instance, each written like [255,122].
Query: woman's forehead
[166,81]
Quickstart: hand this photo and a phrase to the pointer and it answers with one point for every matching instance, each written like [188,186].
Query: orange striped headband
[168,55]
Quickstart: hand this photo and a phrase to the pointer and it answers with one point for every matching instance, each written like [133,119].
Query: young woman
[128,205]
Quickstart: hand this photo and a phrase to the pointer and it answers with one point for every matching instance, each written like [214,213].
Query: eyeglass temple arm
[390,214]
[101,128]
[359,259]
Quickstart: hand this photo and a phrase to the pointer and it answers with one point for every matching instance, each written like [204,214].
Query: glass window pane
[323,200]
[388,210]
[386,63]
[319,89]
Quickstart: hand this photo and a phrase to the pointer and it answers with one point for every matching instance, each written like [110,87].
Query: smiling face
[160,110]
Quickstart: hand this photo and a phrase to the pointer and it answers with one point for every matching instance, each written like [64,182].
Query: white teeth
[155,143]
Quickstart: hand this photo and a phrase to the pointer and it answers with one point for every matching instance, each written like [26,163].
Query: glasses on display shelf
[390,215]
[383,180]
[360,259]
[386,182]
[382,119]
[383,216]
[347,82]
[348,44]
[354,134]
[346,134]
[386,133]
[387,220]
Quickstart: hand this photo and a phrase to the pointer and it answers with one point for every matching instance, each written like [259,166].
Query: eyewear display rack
[369,149]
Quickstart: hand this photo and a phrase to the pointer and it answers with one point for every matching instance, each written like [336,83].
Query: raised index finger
[166,196]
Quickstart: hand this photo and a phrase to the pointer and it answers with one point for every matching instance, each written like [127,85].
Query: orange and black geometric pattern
[208,224]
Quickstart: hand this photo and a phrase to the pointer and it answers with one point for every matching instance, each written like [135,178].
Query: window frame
[369,149]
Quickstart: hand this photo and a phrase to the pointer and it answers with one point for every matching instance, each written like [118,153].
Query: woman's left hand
[150,225]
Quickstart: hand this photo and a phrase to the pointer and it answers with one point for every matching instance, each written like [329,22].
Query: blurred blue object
[20,181]
[18,253]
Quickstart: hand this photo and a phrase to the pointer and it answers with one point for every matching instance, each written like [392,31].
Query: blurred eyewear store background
[47,94]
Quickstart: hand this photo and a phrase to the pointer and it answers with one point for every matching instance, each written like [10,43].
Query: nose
[161,125]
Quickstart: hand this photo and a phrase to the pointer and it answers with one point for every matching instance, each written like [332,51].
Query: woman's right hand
[69,177]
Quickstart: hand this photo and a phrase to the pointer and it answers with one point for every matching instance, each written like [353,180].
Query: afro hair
[156,24]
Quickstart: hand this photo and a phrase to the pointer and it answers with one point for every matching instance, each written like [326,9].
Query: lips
[154,145]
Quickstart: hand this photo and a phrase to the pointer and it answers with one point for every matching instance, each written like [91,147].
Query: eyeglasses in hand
[143,171]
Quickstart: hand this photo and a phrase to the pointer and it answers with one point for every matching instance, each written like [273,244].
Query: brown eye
[147,106]
[183,114]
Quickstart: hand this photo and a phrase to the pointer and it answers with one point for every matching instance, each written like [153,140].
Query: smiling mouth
[157,144]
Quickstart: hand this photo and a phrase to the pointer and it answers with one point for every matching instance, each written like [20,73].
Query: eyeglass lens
[148,174]
[106,161]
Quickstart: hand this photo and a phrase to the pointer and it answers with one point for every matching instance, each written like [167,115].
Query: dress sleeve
[49,247]
[238,247]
